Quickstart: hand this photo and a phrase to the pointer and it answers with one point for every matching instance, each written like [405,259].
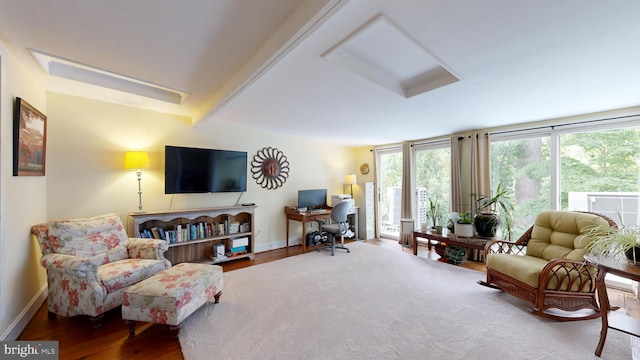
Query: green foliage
[465,218]
[433,172]
[602,161]
[612,241]
[435,212]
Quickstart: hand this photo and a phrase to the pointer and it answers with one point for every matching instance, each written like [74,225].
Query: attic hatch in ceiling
[381,52]
[75,71]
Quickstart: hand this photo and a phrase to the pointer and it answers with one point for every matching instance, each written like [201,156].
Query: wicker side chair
[545,266]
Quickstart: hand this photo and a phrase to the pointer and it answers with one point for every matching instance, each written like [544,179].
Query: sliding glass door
[389,180]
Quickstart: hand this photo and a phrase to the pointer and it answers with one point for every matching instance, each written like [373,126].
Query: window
[598,171]
[389,174]
[432,181]
[522,166]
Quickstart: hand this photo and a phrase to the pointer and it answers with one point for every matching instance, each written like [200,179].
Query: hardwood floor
[77,339]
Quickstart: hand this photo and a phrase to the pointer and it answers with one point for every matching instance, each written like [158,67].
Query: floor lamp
[137,160]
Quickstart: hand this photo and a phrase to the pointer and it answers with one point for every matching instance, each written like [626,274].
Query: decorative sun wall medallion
[364,169]
[270,168]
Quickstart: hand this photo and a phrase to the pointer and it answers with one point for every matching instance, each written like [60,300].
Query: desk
[450,239]
[616,320]
[307,216]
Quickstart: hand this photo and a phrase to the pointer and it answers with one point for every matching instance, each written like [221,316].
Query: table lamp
[351,180]
[137,160]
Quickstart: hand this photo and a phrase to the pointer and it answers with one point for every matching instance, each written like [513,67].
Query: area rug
[378,303]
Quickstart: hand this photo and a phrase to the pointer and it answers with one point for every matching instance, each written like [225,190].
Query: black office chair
[337,228]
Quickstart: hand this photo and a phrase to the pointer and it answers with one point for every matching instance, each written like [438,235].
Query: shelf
[618,320]
[214,238]
[201,249]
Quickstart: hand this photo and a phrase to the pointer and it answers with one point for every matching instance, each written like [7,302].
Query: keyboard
[313,211]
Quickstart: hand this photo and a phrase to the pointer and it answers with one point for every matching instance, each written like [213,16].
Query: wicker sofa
[546,267]
[91,261]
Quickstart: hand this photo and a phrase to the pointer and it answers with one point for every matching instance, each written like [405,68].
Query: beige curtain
[455,195]
[470,170]
[406,203]
[480,166]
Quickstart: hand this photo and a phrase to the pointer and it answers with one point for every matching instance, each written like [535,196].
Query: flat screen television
[312,199]
[195,170]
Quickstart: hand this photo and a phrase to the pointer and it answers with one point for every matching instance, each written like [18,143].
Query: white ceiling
[267,63]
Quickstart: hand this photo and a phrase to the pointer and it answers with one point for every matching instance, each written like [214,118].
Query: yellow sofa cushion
[523,268]
[561,234]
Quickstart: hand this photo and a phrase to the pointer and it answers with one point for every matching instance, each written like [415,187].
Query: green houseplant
[464,225]
[490,210]
[614,241]
[434,212]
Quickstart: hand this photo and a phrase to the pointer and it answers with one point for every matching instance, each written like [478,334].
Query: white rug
[378,303]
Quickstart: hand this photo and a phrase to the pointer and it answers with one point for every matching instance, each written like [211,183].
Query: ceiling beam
[310,16]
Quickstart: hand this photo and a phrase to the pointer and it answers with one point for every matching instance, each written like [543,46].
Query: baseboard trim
[20,323]
[276,245]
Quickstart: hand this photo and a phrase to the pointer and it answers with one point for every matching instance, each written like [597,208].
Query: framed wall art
[29,140]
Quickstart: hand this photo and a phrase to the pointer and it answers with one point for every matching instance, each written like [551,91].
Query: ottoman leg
[96,321]
[216,297]
[131,324]
[175,329]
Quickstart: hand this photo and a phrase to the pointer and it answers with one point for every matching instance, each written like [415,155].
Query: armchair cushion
[124,273]
[561,234]
[101,238]
[523,268]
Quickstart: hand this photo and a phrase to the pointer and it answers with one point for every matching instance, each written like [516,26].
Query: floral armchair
[91,261]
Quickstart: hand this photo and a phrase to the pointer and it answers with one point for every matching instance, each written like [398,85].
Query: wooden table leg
[415,244]
[304,236]
[604,309]
[287,220]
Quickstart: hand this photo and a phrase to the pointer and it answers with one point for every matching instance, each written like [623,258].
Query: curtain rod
[561,125]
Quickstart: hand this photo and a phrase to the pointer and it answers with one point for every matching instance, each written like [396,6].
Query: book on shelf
[232,254]
[234,227]
[238,249]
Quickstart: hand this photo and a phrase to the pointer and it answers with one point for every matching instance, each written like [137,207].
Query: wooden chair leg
[175,329]
[216,297]
[131,324]
[97,321]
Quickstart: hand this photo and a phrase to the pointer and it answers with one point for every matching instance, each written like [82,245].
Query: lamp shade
[136,160]
[351,179]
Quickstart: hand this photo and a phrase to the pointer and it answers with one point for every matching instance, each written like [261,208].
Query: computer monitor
[312,199]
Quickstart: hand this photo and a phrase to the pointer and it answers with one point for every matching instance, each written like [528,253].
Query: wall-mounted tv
[195,170]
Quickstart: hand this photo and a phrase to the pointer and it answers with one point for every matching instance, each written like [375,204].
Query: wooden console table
[611,318]
[449,239]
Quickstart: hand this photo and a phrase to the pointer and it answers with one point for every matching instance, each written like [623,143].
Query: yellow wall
[88,138]
[23,202]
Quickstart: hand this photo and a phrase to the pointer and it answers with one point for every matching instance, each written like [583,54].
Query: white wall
[22,204]
[88,138]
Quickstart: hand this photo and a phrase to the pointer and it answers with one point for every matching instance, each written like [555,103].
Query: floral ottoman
[172,295]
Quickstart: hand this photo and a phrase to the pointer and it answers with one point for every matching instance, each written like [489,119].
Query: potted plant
[435,214]
[489,210]
[614,241]
[464,225]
